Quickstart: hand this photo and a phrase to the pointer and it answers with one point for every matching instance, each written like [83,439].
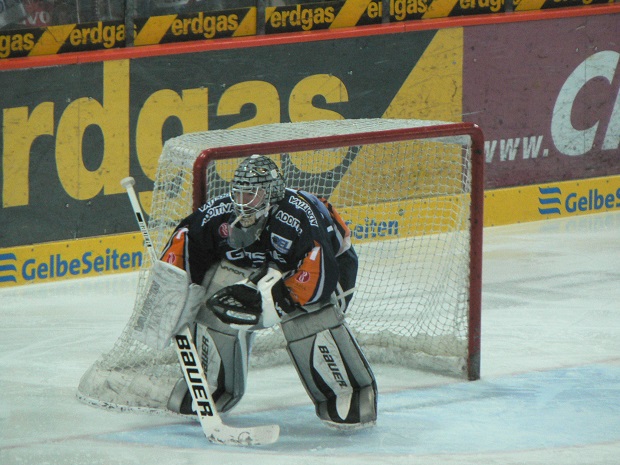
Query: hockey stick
[212,425]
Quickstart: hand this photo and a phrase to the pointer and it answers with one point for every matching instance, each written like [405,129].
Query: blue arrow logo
[7,269]
[551,197]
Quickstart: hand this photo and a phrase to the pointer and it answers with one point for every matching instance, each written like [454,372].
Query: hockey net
[412,194]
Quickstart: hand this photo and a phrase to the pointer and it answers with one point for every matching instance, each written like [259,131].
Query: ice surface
[549,393]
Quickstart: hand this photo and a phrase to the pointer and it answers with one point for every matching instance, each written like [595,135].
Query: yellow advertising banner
[56,261]
[550,201]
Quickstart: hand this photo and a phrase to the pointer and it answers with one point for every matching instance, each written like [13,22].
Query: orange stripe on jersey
[303,285]
[343,230]
[336,217]
[175,250]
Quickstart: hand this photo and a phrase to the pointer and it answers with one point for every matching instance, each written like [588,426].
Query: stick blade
[246,436]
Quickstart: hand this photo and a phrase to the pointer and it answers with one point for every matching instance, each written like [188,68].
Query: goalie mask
[256,186]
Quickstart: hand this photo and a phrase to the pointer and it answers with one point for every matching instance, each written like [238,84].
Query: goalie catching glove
[257,302]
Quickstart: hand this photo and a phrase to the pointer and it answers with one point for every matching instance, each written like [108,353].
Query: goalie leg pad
[223,350]
[224,354]
[332,368]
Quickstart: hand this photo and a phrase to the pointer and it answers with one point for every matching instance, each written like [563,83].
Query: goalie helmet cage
[412,194]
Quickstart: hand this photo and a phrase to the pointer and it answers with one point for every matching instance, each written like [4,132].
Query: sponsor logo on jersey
[257,258]
[211,211]
[280,243]
[300,204]
[289,220]
[171,258]
[303,277]
[224,230]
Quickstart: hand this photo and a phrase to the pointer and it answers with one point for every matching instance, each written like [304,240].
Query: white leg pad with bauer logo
[223,350]
[224,353]
[332,368]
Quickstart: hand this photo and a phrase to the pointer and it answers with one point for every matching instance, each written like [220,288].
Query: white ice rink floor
[549,393]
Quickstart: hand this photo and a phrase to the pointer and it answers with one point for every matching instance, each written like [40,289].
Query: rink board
[122,253]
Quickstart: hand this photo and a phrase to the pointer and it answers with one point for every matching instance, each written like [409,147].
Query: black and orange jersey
[303,236]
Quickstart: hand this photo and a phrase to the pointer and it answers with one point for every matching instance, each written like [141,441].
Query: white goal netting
[404,187]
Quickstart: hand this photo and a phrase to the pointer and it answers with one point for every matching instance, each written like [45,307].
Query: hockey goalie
[260,256]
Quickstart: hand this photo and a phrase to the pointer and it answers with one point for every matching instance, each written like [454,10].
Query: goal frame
[471,130]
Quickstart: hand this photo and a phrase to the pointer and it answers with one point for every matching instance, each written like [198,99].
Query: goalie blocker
[327,358]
